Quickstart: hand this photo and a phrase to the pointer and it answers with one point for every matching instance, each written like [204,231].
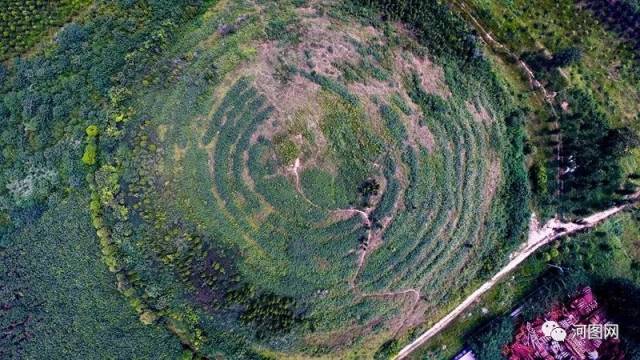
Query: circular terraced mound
[317,190]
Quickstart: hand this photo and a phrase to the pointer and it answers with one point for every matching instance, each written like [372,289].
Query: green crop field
[282,179]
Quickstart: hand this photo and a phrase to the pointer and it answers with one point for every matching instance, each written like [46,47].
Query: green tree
[90,153]
[487,345]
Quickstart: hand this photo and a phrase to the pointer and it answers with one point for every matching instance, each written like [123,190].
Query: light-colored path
[538,237]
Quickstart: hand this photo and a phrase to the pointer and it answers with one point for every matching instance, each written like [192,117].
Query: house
[582,311]
[465,354]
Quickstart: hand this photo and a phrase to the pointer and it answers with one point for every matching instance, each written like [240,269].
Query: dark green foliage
[621,297]
[516,186]
[278,29]
[238,94]
[567,56]
[374,71]
[433,105]
[488,344]
[63,300]
[22,23]
[387,350]
[46,102]
[536,60]
[350,72]
[3,74]
[438,29]
[270,314]
[621,17]
[539,62]
[393,123]
[332,86]
[591,150]
[367,189]
[370,187]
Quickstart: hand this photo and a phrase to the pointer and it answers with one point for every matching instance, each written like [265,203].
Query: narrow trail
[415,294]
[534,83]
[499,48]
[363,251]
[351,211]
[538,237]
[294,169]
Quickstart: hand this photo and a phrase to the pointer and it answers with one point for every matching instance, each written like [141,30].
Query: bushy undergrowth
[592,175]
[47,101]
[603,259]
[198,213]
[23,23]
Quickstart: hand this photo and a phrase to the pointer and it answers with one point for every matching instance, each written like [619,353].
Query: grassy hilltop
[270,179]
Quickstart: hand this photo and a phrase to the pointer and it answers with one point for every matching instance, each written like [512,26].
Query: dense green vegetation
[605,258]
[57,296]
[580,57]
[60,296]
[173,245]
[230,179]
[622,17]
[293,246]
[595,75]
[23,23]
[591,151]
[441,32]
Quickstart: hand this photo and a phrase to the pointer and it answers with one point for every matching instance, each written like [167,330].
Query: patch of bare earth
[322,45]
[493,176]
[431,76]
[339,339]
[479,113]
[432,81]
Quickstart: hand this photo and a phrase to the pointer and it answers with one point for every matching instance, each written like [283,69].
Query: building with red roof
[583,312]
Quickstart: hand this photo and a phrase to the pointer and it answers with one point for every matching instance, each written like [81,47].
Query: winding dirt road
[509,55]
[538,237]
[371,242]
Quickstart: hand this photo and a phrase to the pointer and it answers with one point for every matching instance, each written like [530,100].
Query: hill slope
[299,179]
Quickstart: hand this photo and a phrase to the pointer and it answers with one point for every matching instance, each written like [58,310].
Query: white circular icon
[552,329]
[548,327]
[558,334]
